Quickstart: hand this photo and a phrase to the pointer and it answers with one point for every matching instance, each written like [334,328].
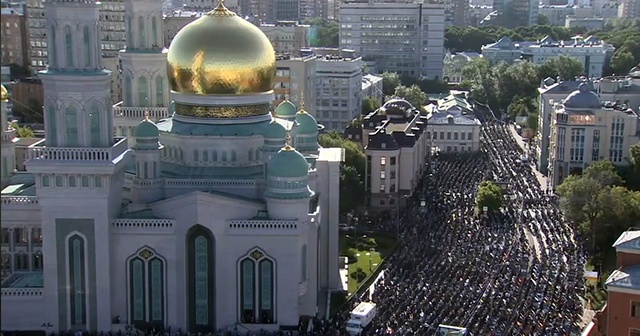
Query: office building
[220,217]
[309,9]
[13,29]
[407,38]
[503,50]
[590,24]
[452,126]
[513,13]
[583,130]
[629,9]
[287,37]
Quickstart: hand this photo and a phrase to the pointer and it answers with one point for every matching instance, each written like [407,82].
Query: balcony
[262,227]
[139,113]
[39,151]
[11,202]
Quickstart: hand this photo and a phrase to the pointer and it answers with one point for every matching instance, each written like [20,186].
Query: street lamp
[369,255]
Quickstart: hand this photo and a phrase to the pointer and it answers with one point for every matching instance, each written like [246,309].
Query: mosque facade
[222,216]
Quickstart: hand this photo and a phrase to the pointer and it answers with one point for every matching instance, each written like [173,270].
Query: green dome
[307,124]
[286,109]
[287,163]
[275,131]
[146,129]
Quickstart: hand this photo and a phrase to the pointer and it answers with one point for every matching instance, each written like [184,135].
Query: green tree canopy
[635,156]
[412,94]
[390,80]
[564,66]
[23,132]
[323,32]
[369,104]
[489,195]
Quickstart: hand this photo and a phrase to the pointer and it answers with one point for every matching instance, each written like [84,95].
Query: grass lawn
[361,265]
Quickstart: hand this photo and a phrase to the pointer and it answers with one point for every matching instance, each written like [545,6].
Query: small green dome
[307,124]
[275,131]
[285,109]
[147,129]
[288,162]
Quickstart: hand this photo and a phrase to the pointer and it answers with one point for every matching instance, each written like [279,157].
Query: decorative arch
[128,89]
[129,32]
[256,288]
[51,127]
[77,267]
[142,43]
[53,59]
[146,288]
[71,126]
[159,90]
[200,279]
[94,124]
[86,40]
[143,91]
[154,32]
[68,43]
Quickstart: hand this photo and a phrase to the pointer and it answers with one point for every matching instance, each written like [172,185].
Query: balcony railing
[21,292]
[39,151]
[139,113]
[19,201]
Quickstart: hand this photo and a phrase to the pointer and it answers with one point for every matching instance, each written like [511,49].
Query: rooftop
[19,189]
[628,240]
[628,277]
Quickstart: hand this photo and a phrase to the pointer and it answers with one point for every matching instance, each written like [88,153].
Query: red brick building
[622,314]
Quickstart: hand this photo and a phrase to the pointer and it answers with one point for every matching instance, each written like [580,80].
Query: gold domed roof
[4,95]
[221,53]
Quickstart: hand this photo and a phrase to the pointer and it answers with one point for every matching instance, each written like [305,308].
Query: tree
[635,156]
[390,80]
[532,121]
[543,20]
[622,61]
[566,67]
[323,32]
[23,132]
[412,94]
[489,195]
[369,104]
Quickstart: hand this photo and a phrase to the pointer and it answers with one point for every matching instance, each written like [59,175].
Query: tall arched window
[142,34]
[146,287]
[250,154]
[200,278]
[154,32]
[257,275]
[128,90]
[87,46]
[71,125]
[205,156]
[303,264]
[224,156]
[94,120]
[214,156]
[53,59]
[51,127]
[159,90]
[196,157]
[68,43]
[143,91]
[233,156]
[76,277]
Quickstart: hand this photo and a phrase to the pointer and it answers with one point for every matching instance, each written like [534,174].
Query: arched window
[257,288]
[142,34]
[214,156]
[250,154]
[154,32]
[37,261]
[53,59]
[143,91]
[195,155]
[129,32]
[233,156]
[200,278]
[98,181]
[71,125]
[68,43]
[94,121]
[72,181]
[45,181]
[303,265]
[87,46]
[51,127]
[146,287]
[205,156]
[224,156]
[85,181]
[77,283]
[159,90]
[146,170]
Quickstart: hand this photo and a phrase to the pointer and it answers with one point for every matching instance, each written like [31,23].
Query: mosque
[222,216]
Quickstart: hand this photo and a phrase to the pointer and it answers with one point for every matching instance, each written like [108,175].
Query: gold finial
[287,141]
[302,102]
[221,10]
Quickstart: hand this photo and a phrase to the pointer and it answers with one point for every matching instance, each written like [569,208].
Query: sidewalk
[541,178]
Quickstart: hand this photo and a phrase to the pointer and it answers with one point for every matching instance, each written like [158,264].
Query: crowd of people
[516,271]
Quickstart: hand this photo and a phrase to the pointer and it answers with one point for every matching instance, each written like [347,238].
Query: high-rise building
[309,9]
[296,77]
[8,143]
[629,9]
[512,13]
[287,37]
[407,38]
[14,37]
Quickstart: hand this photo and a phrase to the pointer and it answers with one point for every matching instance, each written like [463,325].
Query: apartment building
[517,12]
[296,77]
[629,9]
[175,20]
[14,36]
[407,38]
[372,88]
[452,126]
[583,129]
[590,24]
[27,94]
[338,88]
[625,90]
[396,148]
[287,37]
[590,51]
[112,29]
[309,9]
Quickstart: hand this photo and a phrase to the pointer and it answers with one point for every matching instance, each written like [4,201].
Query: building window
[45,181]
[393,160]
[303,266]
[455,135]
[634,332]
[85,181]
[383,175]
[37,261]
[94,121]
[128,91]
[233,156]
[36,236]
[20,236]
[200,276]
[382,188]
[159,89]
[141,33]
[448,135]
[21,261]
[250,155]
[53,60]
[59,181]
[442,135]
[383,161]
[6,236]
[68,42]
[392,188]
[6,264]
[469,136]
[51,127]
[257,288]
[87,46]
[98,182]
[205,156]
[146,287]
[72,181]
[143,91]
[435,135]
[71,123]
[76,275]
[195,155]
[462,135]
[635,308]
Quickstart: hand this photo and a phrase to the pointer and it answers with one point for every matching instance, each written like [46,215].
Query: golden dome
[3,93]
[221,53]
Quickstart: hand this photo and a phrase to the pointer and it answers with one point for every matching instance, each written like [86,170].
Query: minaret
[79,173]
[144,61]
[8,138]
[147,184]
